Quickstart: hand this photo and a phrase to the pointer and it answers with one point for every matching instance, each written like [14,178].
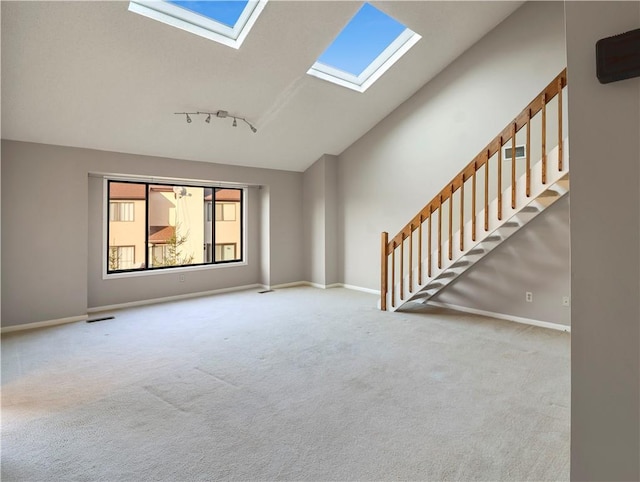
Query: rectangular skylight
[225,12]
[226,22]
[364,50]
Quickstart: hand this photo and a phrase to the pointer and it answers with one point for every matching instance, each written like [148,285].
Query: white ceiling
[92,74]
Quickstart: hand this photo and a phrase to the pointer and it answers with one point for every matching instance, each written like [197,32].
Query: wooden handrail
[469,172]
[483,157]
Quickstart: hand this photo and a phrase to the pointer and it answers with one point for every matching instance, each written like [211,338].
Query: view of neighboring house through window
[153,226]
[127,221]
[227,224]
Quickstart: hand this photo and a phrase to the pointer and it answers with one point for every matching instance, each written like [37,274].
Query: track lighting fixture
[221,114]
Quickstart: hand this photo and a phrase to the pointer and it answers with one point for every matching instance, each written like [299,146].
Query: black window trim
[214,186]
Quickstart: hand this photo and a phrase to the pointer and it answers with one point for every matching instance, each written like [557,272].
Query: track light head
[188,119]
[235,123]
[253,129]
[208,119]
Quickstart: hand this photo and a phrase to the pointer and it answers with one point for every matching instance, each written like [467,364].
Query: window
[121,257]
[174,225]
[365,49]
[121,211]
[225,22]
[160,254]
[207,251]
[209,209]
[225,212]
[225,252]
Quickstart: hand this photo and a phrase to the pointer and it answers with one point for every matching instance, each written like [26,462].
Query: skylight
[364,50]
[226,22]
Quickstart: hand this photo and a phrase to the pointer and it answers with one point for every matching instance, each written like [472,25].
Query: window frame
[118,248]
[222,246]
[241,250]
[381,64]
[224,218]
[192,22]
[133,212]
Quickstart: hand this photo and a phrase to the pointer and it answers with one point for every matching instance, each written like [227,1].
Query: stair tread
[549,193]
[530,209]
[460,264]
[498,230]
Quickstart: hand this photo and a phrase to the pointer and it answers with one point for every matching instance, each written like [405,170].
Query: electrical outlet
[566,301]
[528,296]
[181,278]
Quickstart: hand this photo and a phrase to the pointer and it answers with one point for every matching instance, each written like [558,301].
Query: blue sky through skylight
[223,11]
[364,38]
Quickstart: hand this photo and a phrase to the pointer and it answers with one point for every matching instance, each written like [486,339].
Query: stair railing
[394,256]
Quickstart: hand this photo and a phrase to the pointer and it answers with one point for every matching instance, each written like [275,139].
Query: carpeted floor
[297,384]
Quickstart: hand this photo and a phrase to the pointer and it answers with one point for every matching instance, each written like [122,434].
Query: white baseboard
[324,287]
[502,316]
[185,296]
[287,285]
[359,288]
[42,324]
[304,283]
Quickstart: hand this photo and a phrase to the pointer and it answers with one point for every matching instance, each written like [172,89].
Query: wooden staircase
[481,207]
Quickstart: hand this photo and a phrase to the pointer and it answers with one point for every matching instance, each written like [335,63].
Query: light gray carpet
[297,384]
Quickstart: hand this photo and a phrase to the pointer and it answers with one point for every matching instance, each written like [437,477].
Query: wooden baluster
[560,139]
[436,203]
[528,147]
[473,202]
[411,259]
[513,166]
[401,267]
[429,248]
[420,251]
[486,194]
[462,214]
[440,233]
[451,223]
[544,138]
[384,242]
[393,275]
[500,180]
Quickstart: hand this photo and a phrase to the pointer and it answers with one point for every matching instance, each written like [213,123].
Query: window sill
[170,271]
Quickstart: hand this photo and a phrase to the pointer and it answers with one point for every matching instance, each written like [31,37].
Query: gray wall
[52,236]
[604,129]
[499,281]
[388,175]
[44,235]
[320,211]
[313,197]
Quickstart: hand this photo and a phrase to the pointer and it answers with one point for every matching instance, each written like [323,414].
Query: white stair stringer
[527,208]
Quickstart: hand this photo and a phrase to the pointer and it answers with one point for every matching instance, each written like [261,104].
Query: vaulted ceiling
[92,74]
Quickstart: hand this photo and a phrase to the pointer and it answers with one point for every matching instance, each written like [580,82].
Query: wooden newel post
[383,271]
